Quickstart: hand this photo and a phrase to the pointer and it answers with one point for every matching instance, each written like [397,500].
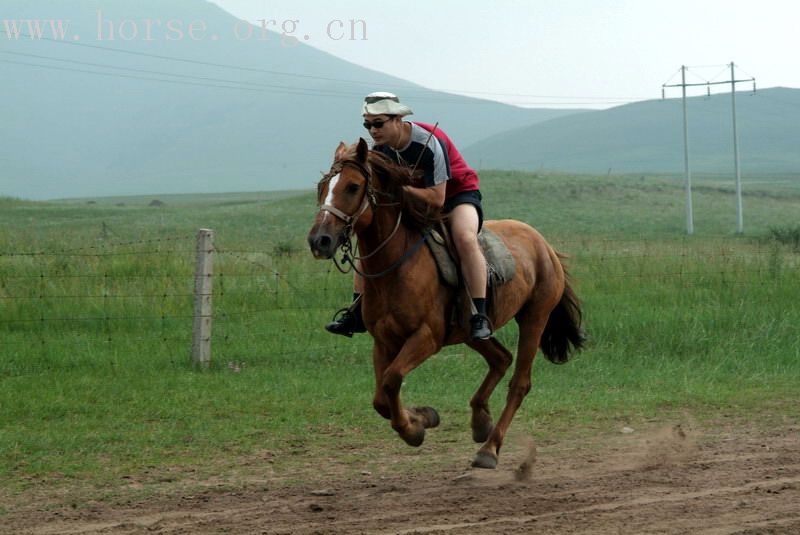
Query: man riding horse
[447,184]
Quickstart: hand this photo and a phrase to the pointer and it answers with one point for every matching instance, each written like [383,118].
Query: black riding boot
[347,321]
[480,328]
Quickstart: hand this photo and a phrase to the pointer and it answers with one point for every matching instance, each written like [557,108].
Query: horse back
[539,276]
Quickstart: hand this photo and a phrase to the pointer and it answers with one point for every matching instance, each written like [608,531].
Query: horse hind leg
[499,359]
[531,326]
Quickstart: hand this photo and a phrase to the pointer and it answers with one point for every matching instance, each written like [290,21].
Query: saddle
[500,263]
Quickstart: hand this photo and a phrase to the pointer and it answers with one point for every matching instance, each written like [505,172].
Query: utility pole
[688,176]
[739,215]
[686,170]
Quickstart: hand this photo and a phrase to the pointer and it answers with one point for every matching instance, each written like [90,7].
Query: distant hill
[71,132]
[648,137]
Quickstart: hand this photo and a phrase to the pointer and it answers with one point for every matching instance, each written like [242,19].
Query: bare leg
[464,227]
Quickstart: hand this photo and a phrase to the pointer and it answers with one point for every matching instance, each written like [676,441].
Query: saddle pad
[499,260]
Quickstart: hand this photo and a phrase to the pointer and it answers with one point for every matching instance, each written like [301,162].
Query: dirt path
[667,480]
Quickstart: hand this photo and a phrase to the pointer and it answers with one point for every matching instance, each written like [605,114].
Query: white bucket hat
[382,103]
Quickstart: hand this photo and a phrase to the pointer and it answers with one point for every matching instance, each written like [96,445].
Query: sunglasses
[377,123]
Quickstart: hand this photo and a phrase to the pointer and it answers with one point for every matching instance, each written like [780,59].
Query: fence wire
[141,292]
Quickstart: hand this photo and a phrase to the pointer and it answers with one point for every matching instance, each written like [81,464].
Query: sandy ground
[667,479]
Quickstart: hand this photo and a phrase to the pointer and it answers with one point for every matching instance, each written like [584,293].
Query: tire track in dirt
[188,521]
[608,506]
[748,484]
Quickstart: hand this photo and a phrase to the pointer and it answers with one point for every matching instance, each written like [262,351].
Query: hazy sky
[547,52]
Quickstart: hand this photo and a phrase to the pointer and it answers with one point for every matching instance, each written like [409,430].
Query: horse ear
[341,151]
[362,150]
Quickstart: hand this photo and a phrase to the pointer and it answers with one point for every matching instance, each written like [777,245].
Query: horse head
[345,196]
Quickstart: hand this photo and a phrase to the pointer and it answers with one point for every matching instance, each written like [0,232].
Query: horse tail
[563,328]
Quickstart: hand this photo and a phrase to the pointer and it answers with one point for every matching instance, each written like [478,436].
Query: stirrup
[345,322]
[480,328]
[342,323]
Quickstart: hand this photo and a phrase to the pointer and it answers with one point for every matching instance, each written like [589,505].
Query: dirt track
[666,480]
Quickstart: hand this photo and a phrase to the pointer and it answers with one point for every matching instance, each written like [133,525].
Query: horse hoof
[485,460]
[430,418]
[416,439]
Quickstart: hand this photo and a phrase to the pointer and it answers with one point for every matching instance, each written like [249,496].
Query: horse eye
[352,188]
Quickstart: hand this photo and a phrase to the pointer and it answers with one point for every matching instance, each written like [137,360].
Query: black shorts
[473,197]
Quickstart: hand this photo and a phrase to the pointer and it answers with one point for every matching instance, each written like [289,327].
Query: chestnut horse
[407,309]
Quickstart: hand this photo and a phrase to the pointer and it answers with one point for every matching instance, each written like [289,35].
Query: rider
[449,184]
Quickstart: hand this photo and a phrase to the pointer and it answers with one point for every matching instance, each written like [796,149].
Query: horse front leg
[409,423]
[381,358]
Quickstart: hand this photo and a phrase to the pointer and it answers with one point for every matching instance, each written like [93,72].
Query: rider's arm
[432,196]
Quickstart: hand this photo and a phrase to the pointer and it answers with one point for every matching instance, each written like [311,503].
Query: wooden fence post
[203,288]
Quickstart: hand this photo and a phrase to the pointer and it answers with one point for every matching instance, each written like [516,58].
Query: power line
[179,82]
[625,99]
[238,82]
[712,66]
[191,61]
[259,87]
[53,67]
[723,71]
[162,73]
[415,87]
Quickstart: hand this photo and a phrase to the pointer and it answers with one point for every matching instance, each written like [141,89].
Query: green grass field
[95,329]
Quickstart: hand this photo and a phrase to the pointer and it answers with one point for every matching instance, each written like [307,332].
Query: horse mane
[417,214]
[391,177]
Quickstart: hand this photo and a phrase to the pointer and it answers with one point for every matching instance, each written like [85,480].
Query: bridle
[368,200]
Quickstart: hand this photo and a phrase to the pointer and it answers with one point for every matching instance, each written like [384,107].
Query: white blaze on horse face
[329,196]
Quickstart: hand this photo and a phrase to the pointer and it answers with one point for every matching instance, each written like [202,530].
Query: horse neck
[376,234]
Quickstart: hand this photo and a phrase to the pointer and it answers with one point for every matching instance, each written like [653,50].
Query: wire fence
[112,297]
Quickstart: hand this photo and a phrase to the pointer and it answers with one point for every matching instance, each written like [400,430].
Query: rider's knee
[465,239]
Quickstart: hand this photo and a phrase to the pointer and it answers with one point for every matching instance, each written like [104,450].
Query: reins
[350,221]
[346,258]
[394,231]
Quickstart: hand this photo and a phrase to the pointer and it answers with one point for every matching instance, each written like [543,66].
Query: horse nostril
[322,244]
